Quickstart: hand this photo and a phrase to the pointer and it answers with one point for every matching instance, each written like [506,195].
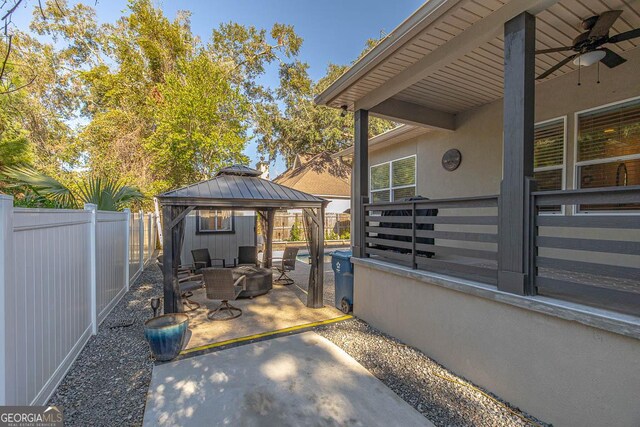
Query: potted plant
[166,334]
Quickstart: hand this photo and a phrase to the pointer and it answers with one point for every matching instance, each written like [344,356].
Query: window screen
[393,180]
[214,221]
[548,158]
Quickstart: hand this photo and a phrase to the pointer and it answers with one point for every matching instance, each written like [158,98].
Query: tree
[200,125]
[301,126]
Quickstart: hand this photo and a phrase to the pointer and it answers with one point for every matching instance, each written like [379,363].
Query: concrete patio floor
[295,380]
[279,309]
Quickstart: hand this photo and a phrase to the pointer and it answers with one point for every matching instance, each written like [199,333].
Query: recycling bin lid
[341,254]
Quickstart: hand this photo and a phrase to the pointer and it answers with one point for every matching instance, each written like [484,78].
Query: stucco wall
[562,372]
[479,132]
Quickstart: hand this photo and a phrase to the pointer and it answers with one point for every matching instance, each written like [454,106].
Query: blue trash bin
[343,271]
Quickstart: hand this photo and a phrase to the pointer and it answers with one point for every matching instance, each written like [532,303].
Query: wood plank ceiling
[477,78]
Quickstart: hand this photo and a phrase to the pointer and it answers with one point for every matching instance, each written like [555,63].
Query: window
[394,180]
[214,221]
[548,157]
[608,149]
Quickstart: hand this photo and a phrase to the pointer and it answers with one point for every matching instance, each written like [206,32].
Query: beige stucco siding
[479,132]
[561,371]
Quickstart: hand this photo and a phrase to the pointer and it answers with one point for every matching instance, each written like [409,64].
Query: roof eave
[387,136]
[426,14]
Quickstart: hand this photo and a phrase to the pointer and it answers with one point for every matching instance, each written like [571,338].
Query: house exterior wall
[478,135]
[561,371]
[479,138]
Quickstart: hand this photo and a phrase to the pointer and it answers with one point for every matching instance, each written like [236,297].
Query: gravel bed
[107,385]
[410,373]
[414,377]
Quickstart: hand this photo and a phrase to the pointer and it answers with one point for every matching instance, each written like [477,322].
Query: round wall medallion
[451,159]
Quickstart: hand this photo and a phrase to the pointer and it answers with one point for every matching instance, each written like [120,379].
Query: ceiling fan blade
[554,49]
[555,67]
[612,59]
[604,23]
[627,35]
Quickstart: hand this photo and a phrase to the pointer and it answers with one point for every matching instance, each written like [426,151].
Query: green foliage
[331,235]
[345,235]
[40,189]
[302,126]
[199,123]
[295,235]
[15,148]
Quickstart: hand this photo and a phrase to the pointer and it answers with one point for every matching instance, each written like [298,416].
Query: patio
[275,311]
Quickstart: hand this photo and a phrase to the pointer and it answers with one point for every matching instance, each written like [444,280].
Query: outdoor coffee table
[258,281]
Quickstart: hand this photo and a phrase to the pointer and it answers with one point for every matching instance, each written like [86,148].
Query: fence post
[141,239]
[93,280]
[149,222]
[127,244]
[6,271]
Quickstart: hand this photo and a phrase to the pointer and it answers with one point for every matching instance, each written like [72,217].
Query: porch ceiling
[468,71]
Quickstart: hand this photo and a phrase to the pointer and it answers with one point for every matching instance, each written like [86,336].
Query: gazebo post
[267,218]
[314,219]
[173,233]
[271,217]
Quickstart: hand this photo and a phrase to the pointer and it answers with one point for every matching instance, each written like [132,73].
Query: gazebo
[240,188]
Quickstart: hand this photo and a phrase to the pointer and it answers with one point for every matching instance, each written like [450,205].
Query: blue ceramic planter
[165,335]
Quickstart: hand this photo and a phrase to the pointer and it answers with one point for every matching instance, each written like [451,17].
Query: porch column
[518,124]
[360,181]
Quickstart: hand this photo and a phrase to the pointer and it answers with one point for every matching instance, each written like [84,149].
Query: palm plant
[108,194]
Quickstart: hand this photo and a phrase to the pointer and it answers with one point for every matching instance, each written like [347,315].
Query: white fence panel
[111,279]
[47,300]
[61,273]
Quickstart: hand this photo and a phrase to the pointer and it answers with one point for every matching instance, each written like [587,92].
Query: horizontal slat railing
[591,258]
[457,237]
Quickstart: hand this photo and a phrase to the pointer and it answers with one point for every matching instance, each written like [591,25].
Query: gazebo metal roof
[240,187]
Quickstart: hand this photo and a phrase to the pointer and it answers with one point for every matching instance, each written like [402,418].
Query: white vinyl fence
[61,273]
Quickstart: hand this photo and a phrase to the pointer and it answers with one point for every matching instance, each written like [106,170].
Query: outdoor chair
[187,282]
[202,259]
[247,255]
[220,285]
[284,265]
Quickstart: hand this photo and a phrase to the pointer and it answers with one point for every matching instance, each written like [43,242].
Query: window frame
[563,167]
[577,164]
[199,230]
[391,188]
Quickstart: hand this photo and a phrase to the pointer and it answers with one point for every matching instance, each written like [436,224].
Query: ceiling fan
[588,45]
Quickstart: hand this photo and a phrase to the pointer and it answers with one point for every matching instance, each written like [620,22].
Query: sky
[333,30]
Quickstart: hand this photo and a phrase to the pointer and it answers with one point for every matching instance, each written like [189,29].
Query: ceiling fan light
[589,58]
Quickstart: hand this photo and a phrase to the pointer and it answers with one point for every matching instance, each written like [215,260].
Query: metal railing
[450,236]
[591,258]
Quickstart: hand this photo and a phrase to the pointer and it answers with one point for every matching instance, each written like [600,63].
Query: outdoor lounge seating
[284,265]
[188,282]
[247,255]
[221,285]
[202,259]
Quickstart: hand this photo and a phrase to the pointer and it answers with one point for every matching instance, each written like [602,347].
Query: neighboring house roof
[385,139]
[320,175]
[240,187]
